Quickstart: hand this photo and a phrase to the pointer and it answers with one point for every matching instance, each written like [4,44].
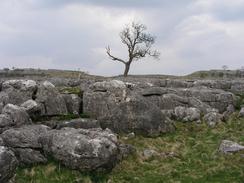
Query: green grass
[196,159]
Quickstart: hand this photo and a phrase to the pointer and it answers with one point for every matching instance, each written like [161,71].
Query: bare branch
[108,51]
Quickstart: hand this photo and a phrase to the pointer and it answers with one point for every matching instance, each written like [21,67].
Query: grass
[196,159]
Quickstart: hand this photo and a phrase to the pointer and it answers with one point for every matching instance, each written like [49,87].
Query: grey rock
[25,137]
[212,118]
[118,107]
[19,91]
[136,115]
[73,103]
[241,113]
[187,114]
[6,121]
[28,156]
[51,100]
[8,164]
[85,150]
[228,146]
[79,123]
[32,108]
[148,153]
[18,115]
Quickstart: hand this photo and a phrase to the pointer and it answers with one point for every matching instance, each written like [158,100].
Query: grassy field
[194,159]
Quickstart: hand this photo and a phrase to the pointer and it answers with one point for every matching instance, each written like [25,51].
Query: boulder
[187,114]
[241,113]
[28,156]
[118,106]
[228,146]
[32,108]
[81,149]
[25,142]
[19,91]
[8,164]
[78,123]
[18,115]
[51,100]
[25,137]
[213,118]
[73,103]
[137,115]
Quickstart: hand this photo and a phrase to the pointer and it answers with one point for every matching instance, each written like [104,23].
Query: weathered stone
[73,103]
[119,108]
[241,113]
[32,108]
[18,114]
[79,123]
[8,164]
[212,118]
[52,101]
[19,91]
[187,114]
[136,115]
[28,156]
[85,150]
[228,146]
[25,136]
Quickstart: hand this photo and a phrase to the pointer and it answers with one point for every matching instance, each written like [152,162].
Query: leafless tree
[224,67]
[139,45]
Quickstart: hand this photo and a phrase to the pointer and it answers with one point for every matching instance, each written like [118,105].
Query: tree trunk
[127,68]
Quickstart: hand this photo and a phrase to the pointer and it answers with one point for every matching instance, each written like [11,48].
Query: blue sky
[71,34]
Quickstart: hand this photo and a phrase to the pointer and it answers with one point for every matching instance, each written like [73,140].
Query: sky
[191,35]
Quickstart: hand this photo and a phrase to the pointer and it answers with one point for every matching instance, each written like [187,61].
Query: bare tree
[139,45]
[224,67]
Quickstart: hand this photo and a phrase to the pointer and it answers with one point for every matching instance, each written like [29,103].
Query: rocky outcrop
[213,118]
[51,101]
[187,114]
[85,150]
[241,113]
[19,91]
[25,142]
[8,164]
[118,107]
[228,146]
[73,103]
[13,116]
[78,123]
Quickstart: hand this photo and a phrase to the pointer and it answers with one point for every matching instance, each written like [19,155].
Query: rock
[51,100]
[109,101]
[125,151]
[32,108]
[229,111]
[6,121]
[79,123]
[25,137]
[228,146]
[187,114]
[81,149]
[241,113]
[18,115]
[136,115]
[8,164]
[148,153]
[28,156]
[1,107]
[4,99]
[73,103]
[212,118]
[19,91]
[25,142]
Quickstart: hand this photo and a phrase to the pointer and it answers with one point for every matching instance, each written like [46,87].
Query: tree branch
[113,57]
